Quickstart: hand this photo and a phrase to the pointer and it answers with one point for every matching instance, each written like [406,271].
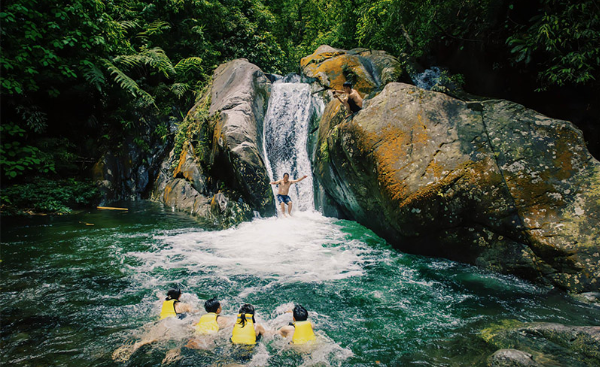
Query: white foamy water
[428,78]
[304,248]
[285,137]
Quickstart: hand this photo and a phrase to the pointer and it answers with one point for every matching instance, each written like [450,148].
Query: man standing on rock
[353,102]
[284,189]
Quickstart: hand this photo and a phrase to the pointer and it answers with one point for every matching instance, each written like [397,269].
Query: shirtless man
[284,189]
[353,102]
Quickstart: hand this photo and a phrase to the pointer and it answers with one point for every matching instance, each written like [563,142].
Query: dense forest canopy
[79,76]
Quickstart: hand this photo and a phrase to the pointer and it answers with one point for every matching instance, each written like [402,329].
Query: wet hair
[212,305]
[246,309]
[347,84]
[173,294]
[300,313]
[286,174]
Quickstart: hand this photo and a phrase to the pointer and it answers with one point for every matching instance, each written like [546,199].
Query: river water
[73,293]
[79,290]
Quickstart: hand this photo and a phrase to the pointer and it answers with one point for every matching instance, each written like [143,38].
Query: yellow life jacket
[207,324]
[168,309]
[246,334]
[303,333]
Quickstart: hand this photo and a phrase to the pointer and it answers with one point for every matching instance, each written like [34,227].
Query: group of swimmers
[245,330]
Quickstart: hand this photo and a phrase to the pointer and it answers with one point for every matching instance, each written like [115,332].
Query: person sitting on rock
[301,330]
[284,189]
[353,102]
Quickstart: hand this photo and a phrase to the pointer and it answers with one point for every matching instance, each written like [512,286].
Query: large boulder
[216,170]
[369,70]
[488,183]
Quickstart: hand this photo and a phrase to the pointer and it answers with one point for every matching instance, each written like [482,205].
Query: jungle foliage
[80,76]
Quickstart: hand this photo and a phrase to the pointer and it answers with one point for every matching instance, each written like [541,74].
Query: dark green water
[72,293]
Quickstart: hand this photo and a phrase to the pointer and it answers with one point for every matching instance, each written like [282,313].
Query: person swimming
[246,331]
[161,330]
[301,329]
[209,325]
[172,307]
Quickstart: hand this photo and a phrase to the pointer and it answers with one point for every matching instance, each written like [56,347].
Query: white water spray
[285,135]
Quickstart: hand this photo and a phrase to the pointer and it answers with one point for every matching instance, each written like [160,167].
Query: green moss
[324,151]
[489,334]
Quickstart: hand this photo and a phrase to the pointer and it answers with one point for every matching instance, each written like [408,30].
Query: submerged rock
[511,358]
[488,183]
[217,172]
[548,344]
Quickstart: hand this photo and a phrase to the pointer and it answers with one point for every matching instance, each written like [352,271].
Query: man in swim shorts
[353,102]
[284,189]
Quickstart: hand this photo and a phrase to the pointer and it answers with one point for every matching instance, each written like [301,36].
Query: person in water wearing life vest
[301,330]
[246,331]
[209,324]
[284,189]
[172,307]
[353,101]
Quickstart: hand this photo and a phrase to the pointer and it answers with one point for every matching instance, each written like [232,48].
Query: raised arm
[298,180]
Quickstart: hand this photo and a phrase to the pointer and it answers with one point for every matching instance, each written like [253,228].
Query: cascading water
[285,135]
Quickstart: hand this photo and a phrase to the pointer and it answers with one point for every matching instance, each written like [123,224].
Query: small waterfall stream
[285,137]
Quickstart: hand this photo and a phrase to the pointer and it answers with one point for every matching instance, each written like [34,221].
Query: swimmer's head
[286,175]
[173,294]
[300,313]
[246,309]
[212,305]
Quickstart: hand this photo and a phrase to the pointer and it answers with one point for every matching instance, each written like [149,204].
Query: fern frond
[94,76]
[155,28]
[154,57]
[129,84]
[159,60]
[128,24]
[179,89]
[185,66]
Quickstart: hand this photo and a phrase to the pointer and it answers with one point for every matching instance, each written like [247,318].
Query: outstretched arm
[286,331]
[298,180]
[275,182]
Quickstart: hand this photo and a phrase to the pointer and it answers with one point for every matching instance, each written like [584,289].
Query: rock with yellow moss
[489,183]
[369,70]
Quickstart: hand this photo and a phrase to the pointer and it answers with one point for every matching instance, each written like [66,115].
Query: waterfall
[285,135]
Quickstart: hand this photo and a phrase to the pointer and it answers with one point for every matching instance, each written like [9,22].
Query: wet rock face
[489,183]
[543,344]
[127,173]
[219,174]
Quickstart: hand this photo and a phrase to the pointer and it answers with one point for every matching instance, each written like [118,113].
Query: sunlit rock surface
[369,70]
[219,175]
[490,183]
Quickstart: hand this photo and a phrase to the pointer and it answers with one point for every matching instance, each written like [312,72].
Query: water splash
[285,137]
[428,78]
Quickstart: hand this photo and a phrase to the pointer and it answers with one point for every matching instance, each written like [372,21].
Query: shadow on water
[73,293]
